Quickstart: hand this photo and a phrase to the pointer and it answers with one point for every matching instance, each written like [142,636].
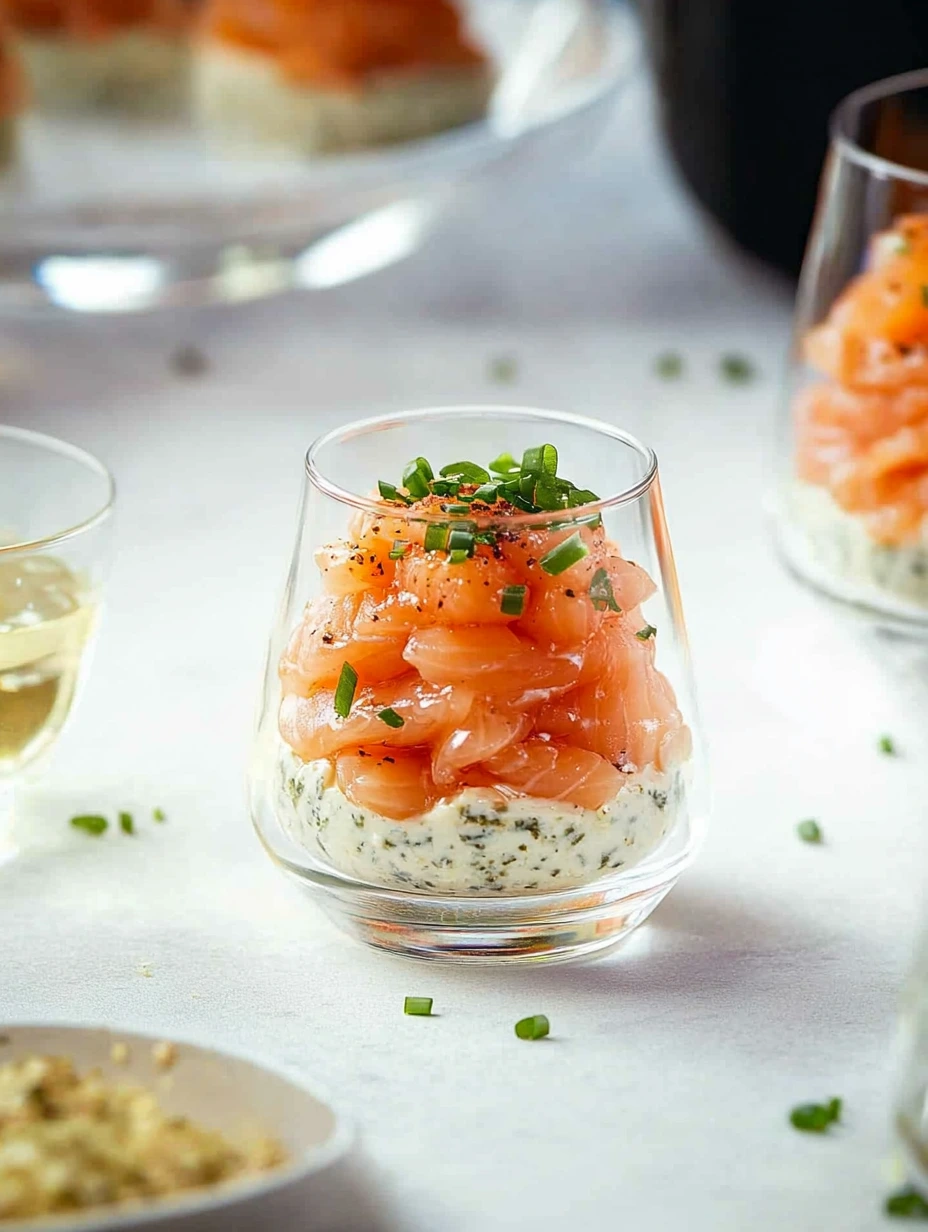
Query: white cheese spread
[473,844]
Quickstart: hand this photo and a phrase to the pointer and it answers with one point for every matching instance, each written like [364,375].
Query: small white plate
[241,1097]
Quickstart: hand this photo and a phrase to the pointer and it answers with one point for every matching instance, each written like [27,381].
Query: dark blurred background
[746,88]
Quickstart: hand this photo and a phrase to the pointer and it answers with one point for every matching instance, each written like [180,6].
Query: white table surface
[770,975]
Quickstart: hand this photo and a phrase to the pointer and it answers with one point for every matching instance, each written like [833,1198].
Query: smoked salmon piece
[557,772]
[469,592]
[396,783]
[312,728]
[493,661]
[323,643]
[484,732]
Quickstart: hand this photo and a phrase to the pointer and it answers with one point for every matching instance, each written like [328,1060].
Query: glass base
[867,602]
[534,929]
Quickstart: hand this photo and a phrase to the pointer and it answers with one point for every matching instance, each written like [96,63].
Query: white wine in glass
[55,519]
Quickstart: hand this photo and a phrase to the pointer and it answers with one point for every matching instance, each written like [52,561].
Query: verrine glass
[854,492]
[56,503]
[477,736]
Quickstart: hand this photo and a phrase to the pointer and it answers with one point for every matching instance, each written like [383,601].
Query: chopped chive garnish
[436,537]
[533,1028]
[647,632]
[581,496]
[470,472]
[810,831]
[416,478]
[548,496]
[906,1203]
[399,549]
[126,823]
[505,464]
[521,503]
[737,369]
[344,690]
[601,592]
[445,487]
[503,369]
[540,460]
[90,823]
[887,745]
[461,539]
[457,556]
[924,295]
[391,493]
[816,1118]
[564,555]
[457,509]
[159,814]
[487,492]
[669,365]
[391,718]
[512,602]
[419,1007]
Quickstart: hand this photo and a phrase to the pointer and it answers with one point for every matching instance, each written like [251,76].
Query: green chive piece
[344,690]
[816,1118]
[669,365]
[521,503]
[582,496]
[399,549]
[461,539]
[487,492]
[445,487]
[486,537]
[906,1203]
[126,823]
[457,556]
[887,745]
[503,369]
[391,493]
[419,1007]
[457,509]
[645,633]
[601,592]
[512,602]
[470,472]
[417,476]
[736,369]
[810,831]
[564,555]
[533,1028]
[548,495]
[436,537]
[90,823]
[159,814]
[541,460]
[391,718]
[505,464]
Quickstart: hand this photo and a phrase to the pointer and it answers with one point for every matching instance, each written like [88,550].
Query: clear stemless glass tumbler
[854,493]
[477,737]
[55,507]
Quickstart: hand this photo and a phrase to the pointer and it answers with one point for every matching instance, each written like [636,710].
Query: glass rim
[849,109]
[54,444]
[368,504]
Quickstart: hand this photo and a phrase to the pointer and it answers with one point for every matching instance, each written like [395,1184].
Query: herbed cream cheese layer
[842,545]
[472,844]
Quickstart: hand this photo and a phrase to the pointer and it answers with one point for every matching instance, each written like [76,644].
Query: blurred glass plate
[104,215]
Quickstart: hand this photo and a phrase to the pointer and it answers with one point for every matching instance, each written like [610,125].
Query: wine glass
[477,737]
[853,495]
[56,503]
